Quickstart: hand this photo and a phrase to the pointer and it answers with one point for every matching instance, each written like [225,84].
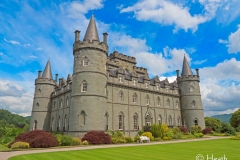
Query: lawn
[3,148]
[177,151]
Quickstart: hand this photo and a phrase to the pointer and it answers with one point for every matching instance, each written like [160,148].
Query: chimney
[197,71]
[60,80]
[177,73]
[105,38]
[39,74]
[56,77]
[77,34]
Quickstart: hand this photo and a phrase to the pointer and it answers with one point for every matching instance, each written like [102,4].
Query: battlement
[45,81]
[141,70]
[188,78]
[116,55]
[90,44]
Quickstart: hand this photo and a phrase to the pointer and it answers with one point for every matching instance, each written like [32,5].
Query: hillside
[14,119]
[223,117]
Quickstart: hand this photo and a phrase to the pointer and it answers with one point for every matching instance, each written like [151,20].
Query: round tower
[190,97]
[44,86]
[88,97]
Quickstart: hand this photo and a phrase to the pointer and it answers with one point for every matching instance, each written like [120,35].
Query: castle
[109,92]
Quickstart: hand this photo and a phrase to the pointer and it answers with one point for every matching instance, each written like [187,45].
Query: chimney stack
[177,73]
[105,38]
[39,74]
[77,34]
[197,71]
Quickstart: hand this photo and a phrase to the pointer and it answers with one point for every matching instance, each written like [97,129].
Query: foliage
[235,138]
[67,140]
[140,132]
[158,139]
[207,131]
[178,135]
[20,145]
[76,141]
[97,137]
[85,142]
[115,134]
[196,129]
[36,139]
[128,139]
[213,123]
[237,128]
[198,135]
[227,129]
[176,130]
[149,135]
[136,138]
[59,138]
[169,134]
[183,129]
[217,134]
[235,119]
[157,130]
[4,140]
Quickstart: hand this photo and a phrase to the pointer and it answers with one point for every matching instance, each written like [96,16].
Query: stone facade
[112,93]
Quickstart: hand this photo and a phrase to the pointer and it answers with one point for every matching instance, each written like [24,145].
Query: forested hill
[17,120]
[223,117]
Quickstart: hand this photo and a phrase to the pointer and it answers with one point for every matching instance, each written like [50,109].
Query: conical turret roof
[91,33]
[47,71]
[186,70]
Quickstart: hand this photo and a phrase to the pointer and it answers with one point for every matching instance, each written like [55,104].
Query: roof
[47,71]
[186,70]
[91,33]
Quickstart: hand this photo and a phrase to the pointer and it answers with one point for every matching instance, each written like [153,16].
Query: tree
[227,128]
[213,123]
[235,119]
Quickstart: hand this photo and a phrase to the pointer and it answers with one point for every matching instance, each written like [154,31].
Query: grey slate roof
[91,33]
[47,71]
[186,70]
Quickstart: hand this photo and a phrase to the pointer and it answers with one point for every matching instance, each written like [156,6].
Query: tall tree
[235,119]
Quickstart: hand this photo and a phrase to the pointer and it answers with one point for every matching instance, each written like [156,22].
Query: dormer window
[157,87]
[85,61]
[146,84]
[134,82]
[84,86]
[120,79]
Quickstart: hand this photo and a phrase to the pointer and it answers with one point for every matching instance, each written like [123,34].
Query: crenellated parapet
[78,45]
[45,81]
[120,56]
[188,78]
[140,70]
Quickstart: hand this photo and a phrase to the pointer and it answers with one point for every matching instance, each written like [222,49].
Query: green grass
[176,151]
[4,148]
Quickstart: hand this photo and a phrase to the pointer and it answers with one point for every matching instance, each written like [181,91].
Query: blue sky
[157,32]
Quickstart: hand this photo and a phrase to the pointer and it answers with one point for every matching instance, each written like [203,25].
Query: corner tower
[88,97]
[190,97]
[44,86]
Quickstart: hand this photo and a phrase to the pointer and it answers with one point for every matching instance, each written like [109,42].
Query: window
[158,101]
[67,101]
[160,119]
[121,96]
[196,122]
[148,120]
[167,89]
[193,104]
[176,104]
[59,123]
[82,118]
[61,103]
[147,100]
[85,62]
[52,127]
[121,122]
[120,79]
[168,102]
[135,121]
[146,84]
[157,87]
[35,125]
[134,98]
[179,121]
[37,105]
[134,82]
[106,115]
[65,123]
[191,89]
[170,121]
[84,86]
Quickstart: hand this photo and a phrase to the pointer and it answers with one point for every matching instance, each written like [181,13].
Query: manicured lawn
[177,151]
[3,148]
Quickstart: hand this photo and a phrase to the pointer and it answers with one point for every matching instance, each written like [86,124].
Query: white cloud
[33,57]
[39,49]
[12,42]
[171,13]
[199,62]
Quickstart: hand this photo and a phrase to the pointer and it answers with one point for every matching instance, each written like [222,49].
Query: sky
[157,32]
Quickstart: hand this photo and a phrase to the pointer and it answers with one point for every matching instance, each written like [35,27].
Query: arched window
[158,101]
[134,82]
[193,103]
[160,119]
[37,105]
[121,121]
[65,127]
[191,88]
[120,79]
[85,61]
[84,86]
[196,122]
[135,121]
[148,120]
[134,98]
[121,96]
[157,87]
[61,103]
[35,125]
[106,115]
[167,89]
[146,84]
[67,101]
[82,118]
[179,121]
[176,104]
[147,100]
[169,120]
[168,102]
[59,123]
[52,126]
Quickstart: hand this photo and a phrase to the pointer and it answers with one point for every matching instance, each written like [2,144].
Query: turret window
[196,122]
[191,88]
[193,104]
[82,118]
[85,62]
[84,86]
[134,98]
[37,105]
[121,96]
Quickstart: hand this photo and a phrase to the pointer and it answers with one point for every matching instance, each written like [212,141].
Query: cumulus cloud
[10,89]
[12,42]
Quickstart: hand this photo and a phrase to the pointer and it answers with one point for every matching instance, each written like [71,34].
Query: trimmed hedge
[20,145]
[36,139]
[207,131]
[97,137]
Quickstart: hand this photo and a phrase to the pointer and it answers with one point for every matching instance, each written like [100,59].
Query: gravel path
[6,155]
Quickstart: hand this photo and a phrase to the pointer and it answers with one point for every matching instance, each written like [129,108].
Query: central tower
[88,98]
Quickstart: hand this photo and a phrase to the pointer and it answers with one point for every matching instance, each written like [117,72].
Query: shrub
[140,132]
[149,135]
[128,139]
[176,130]
[4,140]
[85,142]
[158,139]
[207,130]
[183,129]
[169,133]
[196,129]
[156,130]
[238,128]
[59,138]
[137,139]
[76,141]
[96,137]
[234,138]
[178,135]
[66,140]
[36,139]
[227,129]
[166,138]
[20,145]
[198,135]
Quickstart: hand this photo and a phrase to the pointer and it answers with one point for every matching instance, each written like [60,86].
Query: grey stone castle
[109,92]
